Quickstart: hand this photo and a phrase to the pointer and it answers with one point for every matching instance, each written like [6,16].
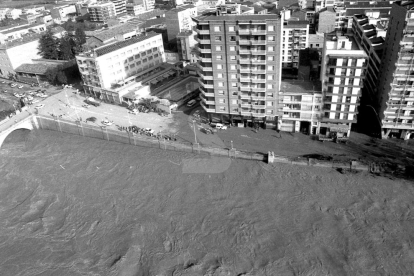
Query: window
[218,48]
[269,111]
[271,28]
[271,58]
[233,67]
[269,103]
[221,84]
[221,93]
[271,49]
[316,45]
[219,66]
[232,48]
[234,84]
[271,38]
[233,76]
[233,101]
[220,75]
[235,93]
[222,108]
[217,28]
[219,57]
[222,101]
[232,57]
[270,77]
[217,38]
[270,68]
[270,86]
[231,29]
[232,38]
[269,95]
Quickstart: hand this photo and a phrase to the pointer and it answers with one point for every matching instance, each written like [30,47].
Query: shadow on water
[18,139]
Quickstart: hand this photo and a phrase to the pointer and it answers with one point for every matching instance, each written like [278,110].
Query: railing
[203,32]
[207,94]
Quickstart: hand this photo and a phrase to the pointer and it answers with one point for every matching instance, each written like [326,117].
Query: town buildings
[62,13]
[112,70]
[19,32]
[395,90]
[240,65]
[135,8]
[13,13]
[120,6]
[101,12]
[185,43]
[179,20]
[295,38]
[343,71]
[326,23]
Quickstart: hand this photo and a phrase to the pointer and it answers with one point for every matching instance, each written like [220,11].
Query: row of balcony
[240,31]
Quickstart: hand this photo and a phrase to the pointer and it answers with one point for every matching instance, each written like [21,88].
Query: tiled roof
[108,34]
[121,44]
[38,68]
[181,8]
[251,17]
[152,22]
[151,14]
[26,27]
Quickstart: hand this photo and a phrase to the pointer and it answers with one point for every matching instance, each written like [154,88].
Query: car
[3,81]
[31,93]
[39,94]
[191,103]
[30,98]
[85,105]
[35,101]
[17,95]
[107,123]
[4,91]
[134,111]
[43,96]
[149,130]
[20,86]
[13,85]
[219,126]
[39,106]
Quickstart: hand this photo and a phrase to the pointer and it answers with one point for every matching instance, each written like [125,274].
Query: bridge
[23,120]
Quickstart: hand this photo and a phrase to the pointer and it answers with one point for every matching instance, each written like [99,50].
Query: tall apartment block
[179,20]
[295,38]
[343,70]
[396,81]
[112,70]
[240,65]
[120,6]
[101,12]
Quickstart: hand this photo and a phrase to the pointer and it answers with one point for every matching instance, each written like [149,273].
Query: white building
[179,20]
[342,73]
[120,6]
[135,9]
[113,70]
[61,14]
[18,32]
[13,13]
[3,13]
[101,12]
[33,10]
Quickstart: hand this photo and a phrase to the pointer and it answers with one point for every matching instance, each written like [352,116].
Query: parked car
[35,101]
[85,105]
[3,81]
[191,103]
[43,96]
[31,93]
[13,85]
[39,106]
[4,91]
[30,98]
[219,126]
[20,86]
[134,111]
[149,131]
[107,123]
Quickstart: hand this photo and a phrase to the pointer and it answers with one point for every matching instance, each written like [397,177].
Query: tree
[61,78]
[51,74]
[48,46]
[80,35]
[65,48]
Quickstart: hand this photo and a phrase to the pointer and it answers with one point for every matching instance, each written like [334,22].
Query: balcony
[254,71]
[244,61]
[205,68]
[247,113]
[258,52]
[258,80]
[244,31]
[258,106]
[203,41]
[246,105]
[258,61]
[245,88]
[203,32]
[208,102]
[258,42]
[206,94]
[244,96]
[258,98]
[258,89]
[206,77]
[203,59]
[245,70]
[205,85]
[244,42]
[245,79]
[208,109]
[244,51]
[204,51]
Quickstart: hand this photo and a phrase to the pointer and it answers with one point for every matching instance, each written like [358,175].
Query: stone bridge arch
[24,124]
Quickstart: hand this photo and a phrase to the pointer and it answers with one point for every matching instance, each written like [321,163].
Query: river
[72,205]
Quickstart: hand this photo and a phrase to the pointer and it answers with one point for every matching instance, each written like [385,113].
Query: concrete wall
[326,22]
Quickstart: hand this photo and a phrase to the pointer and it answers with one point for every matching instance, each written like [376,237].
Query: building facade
[101,12]
[179,20]
[396,81]
[295,38]
[13,13]
[120,6]
[326,23]
[135,9]
[240,66]
[343,71]
[185,42]
[62,13]
[110,70]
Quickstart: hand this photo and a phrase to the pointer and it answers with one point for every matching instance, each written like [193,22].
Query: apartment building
[395,96]
[20,32]
[16,52]
[135,8]
[33,10]
[101,12]
[113,70]
[295,38]
[3,13]
[240,65]
[185,43]
[179,20]
[13,13]
[149,5]
[120,6]
[369,34]
[343,71]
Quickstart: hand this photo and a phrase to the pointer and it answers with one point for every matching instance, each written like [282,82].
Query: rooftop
[295,24]
[181,8]
[26,27]
[301,86]
[107,34]
[150,14]
[17,42]
[37,68]
[121,44]
[247,17]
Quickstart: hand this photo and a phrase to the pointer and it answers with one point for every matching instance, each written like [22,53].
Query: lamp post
[195,136]
[231,144]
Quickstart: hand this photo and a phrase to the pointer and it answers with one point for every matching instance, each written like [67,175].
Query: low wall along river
[95,131]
